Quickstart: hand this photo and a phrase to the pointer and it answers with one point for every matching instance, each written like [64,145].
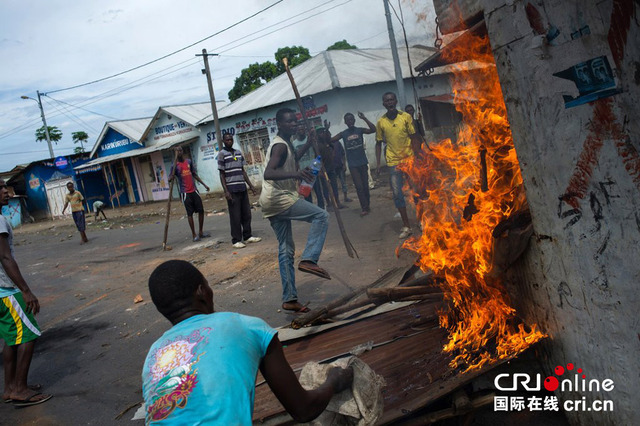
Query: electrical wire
[189,62]
[84,109]
[172,53]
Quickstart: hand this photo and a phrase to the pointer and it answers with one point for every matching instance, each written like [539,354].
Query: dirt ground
[97,318]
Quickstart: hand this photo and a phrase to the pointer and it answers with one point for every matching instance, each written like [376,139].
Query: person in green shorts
[18,326]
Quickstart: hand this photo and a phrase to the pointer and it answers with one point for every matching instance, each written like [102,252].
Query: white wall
[581,172]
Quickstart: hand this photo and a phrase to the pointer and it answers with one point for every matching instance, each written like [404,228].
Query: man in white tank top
[281,204]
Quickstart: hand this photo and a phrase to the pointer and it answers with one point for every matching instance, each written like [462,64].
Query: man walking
[75,198]
[396,129]
[234,181]
[357,157]
[18,326]
[281,204]
[185,172]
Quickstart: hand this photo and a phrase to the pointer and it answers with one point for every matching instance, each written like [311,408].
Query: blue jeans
[281,224]
[396,178]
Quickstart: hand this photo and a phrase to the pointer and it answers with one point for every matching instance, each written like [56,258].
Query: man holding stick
[186,173]
[281,204]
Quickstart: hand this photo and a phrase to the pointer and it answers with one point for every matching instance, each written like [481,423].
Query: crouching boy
[203,369]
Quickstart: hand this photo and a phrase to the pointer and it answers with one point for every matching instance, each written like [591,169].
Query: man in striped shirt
[18,326]
[234,181]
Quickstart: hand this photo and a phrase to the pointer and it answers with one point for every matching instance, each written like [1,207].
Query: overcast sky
[57,44]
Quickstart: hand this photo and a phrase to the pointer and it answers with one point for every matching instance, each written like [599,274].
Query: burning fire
[459,214]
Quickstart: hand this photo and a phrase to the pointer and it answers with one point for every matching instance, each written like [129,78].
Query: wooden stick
[322,312]
[384,295]
[312,134]
[166,222]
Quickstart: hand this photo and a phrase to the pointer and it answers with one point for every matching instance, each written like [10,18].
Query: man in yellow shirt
[396,129]
[75,198]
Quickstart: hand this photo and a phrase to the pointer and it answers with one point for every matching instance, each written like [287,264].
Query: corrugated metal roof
[133,129]
[192,114]
[326,71]
[406,350]
[135,152]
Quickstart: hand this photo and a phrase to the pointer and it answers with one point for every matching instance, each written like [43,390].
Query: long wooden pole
[166,222]
[312,134]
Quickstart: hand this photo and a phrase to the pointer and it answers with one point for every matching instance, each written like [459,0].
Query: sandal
[18,403]
[299,309]
[313,268]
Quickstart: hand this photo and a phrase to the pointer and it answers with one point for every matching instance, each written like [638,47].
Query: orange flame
[482,325]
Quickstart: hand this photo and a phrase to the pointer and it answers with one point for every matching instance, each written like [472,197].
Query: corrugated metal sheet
[326,71]
[192,114]
[407,353]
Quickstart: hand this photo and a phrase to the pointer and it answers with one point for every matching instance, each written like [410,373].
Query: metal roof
[404,346]
[134,153]
[133,129]
[326,71]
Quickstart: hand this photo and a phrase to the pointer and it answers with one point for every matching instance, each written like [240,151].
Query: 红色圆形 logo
[567,378]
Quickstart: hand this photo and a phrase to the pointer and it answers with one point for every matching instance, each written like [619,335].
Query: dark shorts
[192,203]
[78,218]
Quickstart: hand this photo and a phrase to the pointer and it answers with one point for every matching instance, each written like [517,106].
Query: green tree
[342,45]
[255,75]
[294,54]
[79,137]
[54,134]
[252,77]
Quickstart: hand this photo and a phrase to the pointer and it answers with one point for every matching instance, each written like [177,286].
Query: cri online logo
[552,383]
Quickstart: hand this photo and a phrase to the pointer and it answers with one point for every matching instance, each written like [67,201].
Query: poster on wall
[159,188]
[34,182]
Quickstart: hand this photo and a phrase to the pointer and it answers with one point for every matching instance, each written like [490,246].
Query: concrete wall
[577,143]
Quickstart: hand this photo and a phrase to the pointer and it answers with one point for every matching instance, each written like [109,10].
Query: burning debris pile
[465,190]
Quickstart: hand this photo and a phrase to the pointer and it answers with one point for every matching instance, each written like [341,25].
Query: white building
[331,84]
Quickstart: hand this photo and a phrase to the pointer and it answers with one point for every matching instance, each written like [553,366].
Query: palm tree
[54,134]
[79,137]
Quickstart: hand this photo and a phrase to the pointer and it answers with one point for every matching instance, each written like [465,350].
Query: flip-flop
[303,310]
[35,387]
[18,403]
[312,268]
[205,235]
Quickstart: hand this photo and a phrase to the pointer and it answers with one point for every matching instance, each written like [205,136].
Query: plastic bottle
[305,187]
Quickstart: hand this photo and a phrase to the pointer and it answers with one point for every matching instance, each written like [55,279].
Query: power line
[84,109]
[189,62]
[172,53]
[65,111]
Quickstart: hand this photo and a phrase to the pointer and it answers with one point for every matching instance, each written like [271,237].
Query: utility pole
[207,71]
[394,54]
[44,121]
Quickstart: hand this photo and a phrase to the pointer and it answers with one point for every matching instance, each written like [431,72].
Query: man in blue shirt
[203,370]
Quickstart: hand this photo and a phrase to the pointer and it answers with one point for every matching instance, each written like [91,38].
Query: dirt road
[95,337]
